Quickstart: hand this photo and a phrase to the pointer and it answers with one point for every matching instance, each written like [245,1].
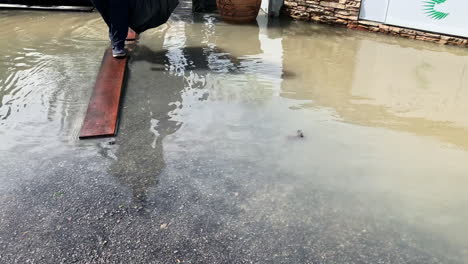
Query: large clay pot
[239,11]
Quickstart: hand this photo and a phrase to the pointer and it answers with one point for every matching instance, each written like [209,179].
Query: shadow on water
[150,99]
[158,76]
[145,124]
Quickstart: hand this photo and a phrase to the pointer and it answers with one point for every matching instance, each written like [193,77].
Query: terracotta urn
[239,11]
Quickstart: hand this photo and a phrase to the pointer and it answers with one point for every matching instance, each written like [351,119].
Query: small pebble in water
[300,134]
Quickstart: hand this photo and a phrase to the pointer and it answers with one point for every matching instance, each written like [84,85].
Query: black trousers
[115,14]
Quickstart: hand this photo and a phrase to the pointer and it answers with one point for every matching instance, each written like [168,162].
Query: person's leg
[102,7]
[118,20]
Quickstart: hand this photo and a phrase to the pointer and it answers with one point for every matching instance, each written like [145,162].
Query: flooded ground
[208,166]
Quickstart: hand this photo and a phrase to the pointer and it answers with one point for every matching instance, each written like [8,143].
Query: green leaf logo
[430,9]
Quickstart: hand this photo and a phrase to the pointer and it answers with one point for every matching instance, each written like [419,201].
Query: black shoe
[118,52]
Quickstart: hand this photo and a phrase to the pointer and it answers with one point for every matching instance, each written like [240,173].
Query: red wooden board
[132,35]
[102,114]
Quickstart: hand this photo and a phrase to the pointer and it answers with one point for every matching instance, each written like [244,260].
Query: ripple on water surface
[50,59]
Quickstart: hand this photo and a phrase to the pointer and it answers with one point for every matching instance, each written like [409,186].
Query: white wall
[374,10]
[413,14]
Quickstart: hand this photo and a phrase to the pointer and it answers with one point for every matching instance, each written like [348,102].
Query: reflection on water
[379,84]
[369,82]
[384,120]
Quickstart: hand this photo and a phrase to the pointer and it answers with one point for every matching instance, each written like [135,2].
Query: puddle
[208,141]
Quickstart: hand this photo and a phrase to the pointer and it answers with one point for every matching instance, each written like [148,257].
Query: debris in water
[163,226]
[300,134]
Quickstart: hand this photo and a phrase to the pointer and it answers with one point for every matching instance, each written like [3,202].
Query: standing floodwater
[280,142]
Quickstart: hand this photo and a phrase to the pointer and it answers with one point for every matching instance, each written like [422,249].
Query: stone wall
[326,11]
[409,33]
[346,12]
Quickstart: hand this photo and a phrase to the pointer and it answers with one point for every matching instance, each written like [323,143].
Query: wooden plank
[59,8]
[131,35]
[103,109]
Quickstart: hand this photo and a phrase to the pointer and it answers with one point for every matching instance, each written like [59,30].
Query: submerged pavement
[208,166]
